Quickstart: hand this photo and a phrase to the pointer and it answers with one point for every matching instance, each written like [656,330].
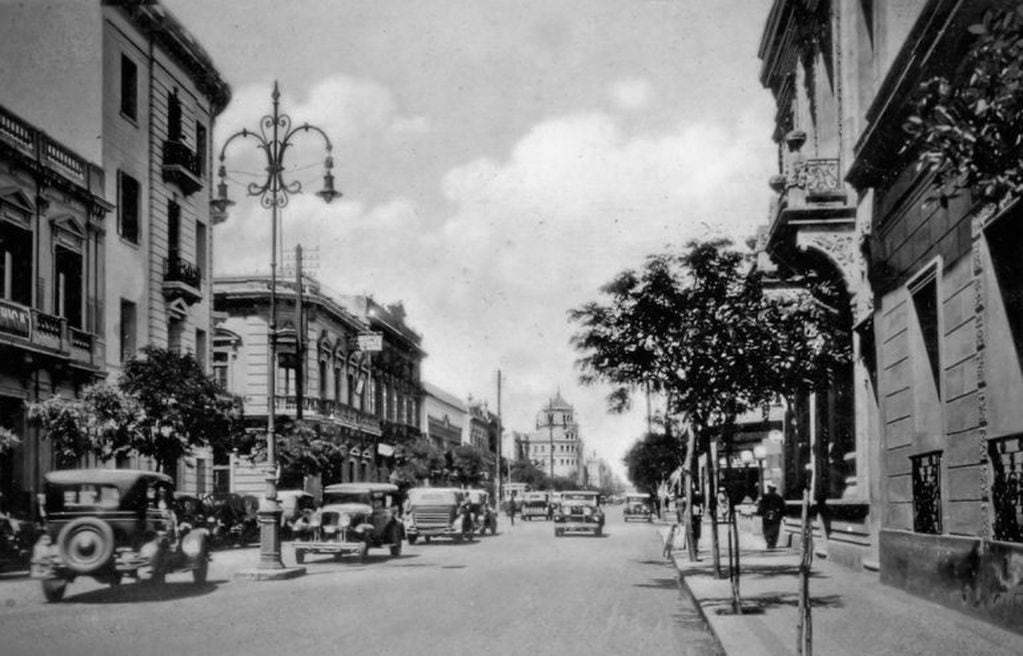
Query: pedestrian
[511,508]
[697,518]
[771,510]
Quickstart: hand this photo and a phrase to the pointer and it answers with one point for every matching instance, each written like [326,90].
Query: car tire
[299,556]
[86,544]
[53,590]
[427,538]
[412,539]
[364,552]
[396,548]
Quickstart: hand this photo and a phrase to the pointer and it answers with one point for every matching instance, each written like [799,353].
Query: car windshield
[589,498]
[347,497]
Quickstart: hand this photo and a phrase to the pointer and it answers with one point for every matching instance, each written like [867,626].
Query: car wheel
[427,538]
[598,533]
[53,589]
[363,552]
[158,578]
[115,580]
[558,532]
[396,548]
[412,539]
[86,544]
[299,556]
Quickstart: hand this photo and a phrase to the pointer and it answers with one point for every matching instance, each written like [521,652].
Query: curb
[696,603]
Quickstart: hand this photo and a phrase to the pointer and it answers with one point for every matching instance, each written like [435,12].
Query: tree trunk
[715,541]
[687,517]
[804,628]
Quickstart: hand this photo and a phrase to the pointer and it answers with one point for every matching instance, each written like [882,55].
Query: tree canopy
[651,459]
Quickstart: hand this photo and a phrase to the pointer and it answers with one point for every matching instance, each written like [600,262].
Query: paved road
[520,592]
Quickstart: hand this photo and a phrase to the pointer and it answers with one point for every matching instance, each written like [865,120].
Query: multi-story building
[363,397]
[556,445]
[53,218]
[145,96]
[482,430]
[444,417]
[934,291]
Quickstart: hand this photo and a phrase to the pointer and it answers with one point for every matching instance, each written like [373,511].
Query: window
[1006,456]
[128,207]
[200,247]
[129,88]
[323,380]
[174,118]
[200,147]
[173,230]
[220,368]
[175,330]
[925,301]
[67,292]
[15,263]
[200,348]
[338,377]
[927,493]
[200,476]
[128,318]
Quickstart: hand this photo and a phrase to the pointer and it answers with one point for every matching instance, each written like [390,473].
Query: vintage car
[437,512]
[110,523]
[535,504]
[484,515]
[579,512]
[353,518]
[637,506]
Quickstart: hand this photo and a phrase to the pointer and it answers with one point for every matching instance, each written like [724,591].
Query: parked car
[535,504]
[353,518]
[111,523]
[579,512]
[16,540]
[437,512]
[637,506]
[484,515]
[231,519]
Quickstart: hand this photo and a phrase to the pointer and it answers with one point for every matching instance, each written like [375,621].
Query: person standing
[511,508]
[771,510]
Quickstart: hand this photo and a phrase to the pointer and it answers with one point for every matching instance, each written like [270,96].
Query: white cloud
[631,94]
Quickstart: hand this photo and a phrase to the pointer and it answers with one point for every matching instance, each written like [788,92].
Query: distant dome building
[556,441]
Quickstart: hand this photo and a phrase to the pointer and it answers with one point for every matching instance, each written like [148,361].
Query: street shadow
[143,592]
[652,562]
[453,566]
[12,574]
[767,571]
[755,604]
[659,584]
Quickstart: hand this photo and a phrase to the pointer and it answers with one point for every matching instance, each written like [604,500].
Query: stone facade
[444,417]
[557,442]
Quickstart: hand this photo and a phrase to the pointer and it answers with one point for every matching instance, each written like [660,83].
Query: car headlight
[191,548]
[344,521]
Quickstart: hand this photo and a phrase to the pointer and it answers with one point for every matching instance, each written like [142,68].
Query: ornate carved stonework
[840,247]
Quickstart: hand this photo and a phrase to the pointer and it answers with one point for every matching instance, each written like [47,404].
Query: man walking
[771,510]
[511,508]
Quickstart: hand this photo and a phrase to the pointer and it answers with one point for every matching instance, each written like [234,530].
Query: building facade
[444,419]
[364,399]
[482,429]
[53,219]
[145,98]
[556,446]
[934,291]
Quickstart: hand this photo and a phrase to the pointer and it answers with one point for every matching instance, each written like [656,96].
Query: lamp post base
[270,566]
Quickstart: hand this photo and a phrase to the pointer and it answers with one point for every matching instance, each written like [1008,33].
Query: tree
[967,127]
[524,471]
[469,466]
[182,407]
[163,406]
[417,461]
[301,451]
[698,327]
[650,460]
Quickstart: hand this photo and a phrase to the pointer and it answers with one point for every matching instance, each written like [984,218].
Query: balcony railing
[182,167]
[51,334]
[50,154]
[819,178]
[181,279]
[329,409]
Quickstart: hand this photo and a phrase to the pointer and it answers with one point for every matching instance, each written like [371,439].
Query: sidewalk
[853,613]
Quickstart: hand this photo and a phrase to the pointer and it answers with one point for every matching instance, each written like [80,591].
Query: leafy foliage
[469,466]
[8,439]
[651,459]
[417,461]
[163,406]
[301,450]
[969,127]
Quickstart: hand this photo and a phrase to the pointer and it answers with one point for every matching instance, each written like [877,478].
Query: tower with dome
[556,440]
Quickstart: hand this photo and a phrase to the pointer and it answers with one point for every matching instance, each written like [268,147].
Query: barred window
[1007,488]
[927,493]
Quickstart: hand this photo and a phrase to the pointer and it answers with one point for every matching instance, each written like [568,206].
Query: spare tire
[86,544]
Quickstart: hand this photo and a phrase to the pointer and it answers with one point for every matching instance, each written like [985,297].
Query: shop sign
[15,319]
[370,341]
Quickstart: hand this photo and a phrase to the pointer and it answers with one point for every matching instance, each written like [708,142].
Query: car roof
[360,487]
[637,495]
[97,476]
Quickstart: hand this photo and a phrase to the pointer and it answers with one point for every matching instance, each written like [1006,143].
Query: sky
[500,162]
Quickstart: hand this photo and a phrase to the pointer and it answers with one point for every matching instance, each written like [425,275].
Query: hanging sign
[15,319]
[370,341]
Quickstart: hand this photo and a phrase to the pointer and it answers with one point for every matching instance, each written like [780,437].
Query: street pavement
[520,592]
[852,614]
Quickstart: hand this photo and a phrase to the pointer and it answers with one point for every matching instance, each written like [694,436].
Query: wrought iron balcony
[181,279]
[182,167]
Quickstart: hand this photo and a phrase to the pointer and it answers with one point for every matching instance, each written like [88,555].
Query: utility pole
[299,336]
[500,442]
[550,433]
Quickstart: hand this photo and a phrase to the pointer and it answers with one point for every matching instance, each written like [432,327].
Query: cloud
[631,94]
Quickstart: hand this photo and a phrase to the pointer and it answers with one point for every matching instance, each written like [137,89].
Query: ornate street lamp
[274,137]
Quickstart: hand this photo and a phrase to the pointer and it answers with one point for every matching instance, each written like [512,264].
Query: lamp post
[274,136]
[550,432]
